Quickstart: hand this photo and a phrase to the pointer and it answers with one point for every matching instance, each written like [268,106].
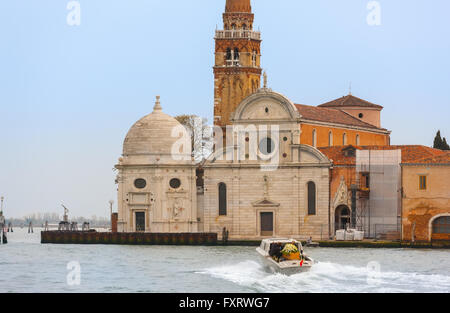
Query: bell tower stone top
[238,6]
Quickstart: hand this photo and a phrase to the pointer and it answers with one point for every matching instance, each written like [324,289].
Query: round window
[175,183]
[266,146]
[140,183]
[361,115]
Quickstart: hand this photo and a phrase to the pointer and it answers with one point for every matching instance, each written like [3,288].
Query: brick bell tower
[237,71]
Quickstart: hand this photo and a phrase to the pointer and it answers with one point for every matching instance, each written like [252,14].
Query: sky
[69,94]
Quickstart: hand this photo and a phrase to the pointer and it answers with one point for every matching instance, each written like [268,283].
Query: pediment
[341,197]
[265,203]
[265,105]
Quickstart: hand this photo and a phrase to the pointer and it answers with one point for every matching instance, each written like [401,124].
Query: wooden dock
[108,238]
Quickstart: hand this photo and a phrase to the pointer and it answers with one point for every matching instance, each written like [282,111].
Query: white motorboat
[273,252]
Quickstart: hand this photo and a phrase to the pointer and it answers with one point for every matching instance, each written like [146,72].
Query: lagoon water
[28,266]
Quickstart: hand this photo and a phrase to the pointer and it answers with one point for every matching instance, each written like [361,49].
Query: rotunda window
[266,146]
[140,183]
[175,183]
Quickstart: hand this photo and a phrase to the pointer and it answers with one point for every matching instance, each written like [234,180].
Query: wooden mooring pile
[109,238]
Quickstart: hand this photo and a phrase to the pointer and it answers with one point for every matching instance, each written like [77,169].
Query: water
[28,266]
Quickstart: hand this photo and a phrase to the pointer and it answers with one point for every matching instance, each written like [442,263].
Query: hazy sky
[69,94]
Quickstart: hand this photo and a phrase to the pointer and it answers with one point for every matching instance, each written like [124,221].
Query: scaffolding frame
[378,208]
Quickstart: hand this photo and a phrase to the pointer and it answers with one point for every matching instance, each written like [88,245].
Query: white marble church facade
[264,184]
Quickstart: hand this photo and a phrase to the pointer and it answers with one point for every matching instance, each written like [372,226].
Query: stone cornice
[236,70]
[140,166]
[259,165]
[350,127]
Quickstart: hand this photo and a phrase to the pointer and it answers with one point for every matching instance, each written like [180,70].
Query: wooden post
[3,239]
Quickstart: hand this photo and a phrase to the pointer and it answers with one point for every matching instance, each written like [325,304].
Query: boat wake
[328,277]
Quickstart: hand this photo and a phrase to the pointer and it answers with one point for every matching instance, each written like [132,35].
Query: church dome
[158,136]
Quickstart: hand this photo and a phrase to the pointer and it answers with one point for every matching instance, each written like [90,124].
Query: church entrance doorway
[140,221]
[342,217]
[266,224]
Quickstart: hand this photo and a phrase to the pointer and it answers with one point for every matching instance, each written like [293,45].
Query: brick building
[426,198]
[383,205]
[237,74]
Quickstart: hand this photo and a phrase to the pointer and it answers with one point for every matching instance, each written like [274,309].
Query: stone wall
[421,207]
[166,209]
[283,192]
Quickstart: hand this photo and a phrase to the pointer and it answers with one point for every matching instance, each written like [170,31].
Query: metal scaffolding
[379,194]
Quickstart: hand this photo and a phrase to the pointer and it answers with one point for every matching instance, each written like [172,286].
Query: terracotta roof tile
[444,158]
[329,115]
[410,153]
[350,101]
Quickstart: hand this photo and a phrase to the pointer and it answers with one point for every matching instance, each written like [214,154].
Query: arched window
[229,54]
[441,225]
[244,26]
[314,138]
[236,56]
[222,199]
[357,140]
[254,59]
[330,139]
[229,57]
[311,198]
[266,146]
[344,139]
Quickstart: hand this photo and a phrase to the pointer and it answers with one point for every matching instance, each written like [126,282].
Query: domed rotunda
[157,138]
[157,177]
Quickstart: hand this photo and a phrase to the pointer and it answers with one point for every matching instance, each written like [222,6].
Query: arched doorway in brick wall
[342,217]
[440,227]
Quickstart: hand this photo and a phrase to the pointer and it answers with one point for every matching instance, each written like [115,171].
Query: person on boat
[275,251]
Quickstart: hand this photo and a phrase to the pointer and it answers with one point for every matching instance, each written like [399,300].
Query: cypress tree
[445,145]
[438,143]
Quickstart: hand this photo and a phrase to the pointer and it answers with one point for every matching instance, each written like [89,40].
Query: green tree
[445,145]
[438,141]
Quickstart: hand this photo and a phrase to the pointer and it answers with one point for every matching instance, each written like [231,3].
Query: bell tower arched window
[232,57]
[222,199]
[236,57]
[229,57]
